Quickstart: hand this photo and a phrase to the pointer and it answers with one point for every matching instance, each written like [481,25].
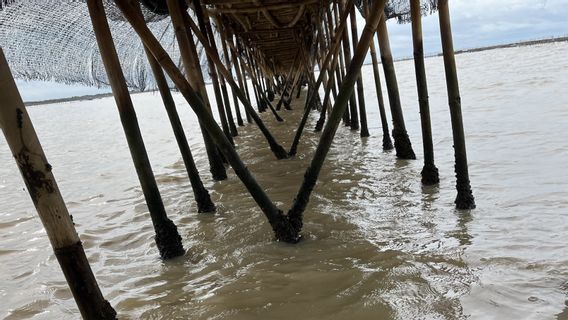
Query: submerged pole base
[402,145]
[464,199]
[204,203]
[83,285]
[168,240]
[430,175]
[279,152]
[319,124]
[387,142]
[365,133]
[284,230]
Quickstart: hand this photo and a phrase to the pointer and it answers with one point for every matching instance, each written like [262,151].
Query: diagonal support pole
[295,215]
[282,228]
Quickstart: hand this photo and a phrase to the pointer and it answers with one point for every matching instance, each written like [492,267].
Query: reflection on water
[377,244]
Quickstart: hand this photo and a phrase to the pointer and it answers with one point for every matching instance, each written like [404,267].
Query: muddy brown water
[377,245]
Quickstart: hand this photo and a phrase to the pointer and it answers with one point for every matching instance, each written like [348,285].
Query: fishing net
[54,40]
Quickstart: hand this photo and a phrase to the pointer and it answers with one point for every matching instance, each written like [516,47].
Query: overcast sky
[475,23]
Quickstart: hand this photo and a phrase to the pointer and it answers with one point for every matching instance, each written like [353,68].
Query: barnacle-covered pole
[387,142]
[201,195]
[464,199]
[360,89]
[42,187]
[402,143]
[279,222]
[190,60]
[429,172]
[167,237]
[295,215]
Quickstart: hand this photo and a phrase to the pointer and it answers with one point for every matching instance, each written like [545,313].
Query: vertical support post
[360,90]
[295,215]
[401,141]
[464,199]
[228,63]
[167,237]
[429,172]
[207,31]
[194,75]
[211,66]
[353,116]
[387,142]
[239,70]
[44,192]
[283,229]
[201,195]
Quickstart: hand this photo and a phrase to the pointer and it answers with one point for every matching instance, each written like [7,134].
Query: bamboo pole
[353,114]
[201,195]
[283,230]
[346,116]
[194,75]
[286,81]
[234,94]
[312,93]
[167,237]
[212,69]
[330,35]
[46,197]
[464,198]
[360,90]
[429,172]
[295,215]
[387,142]
[326,99]
[402,143]
[239,74]
[278,151]
[255,76]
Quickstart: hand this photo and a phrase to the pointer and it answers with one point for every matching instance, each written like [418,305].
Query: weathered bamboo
[286,81]
[360,90]
[402,143]
[239,73]
[278,151]
[255,76]
[387,142]
[46,197]
[194,75]
[209,33]
[353,114]
[201,195]
[242,74]
[211,65]
[429,172]
[464,199]
[228,63]
[167,237]
[279,222]
[346,116]
[295,215]
[326,99]
[330,35]
[314,91]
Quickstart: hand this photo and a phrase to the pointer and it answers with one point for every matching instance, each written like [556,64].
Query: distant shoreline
[524,43]
[499,46]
